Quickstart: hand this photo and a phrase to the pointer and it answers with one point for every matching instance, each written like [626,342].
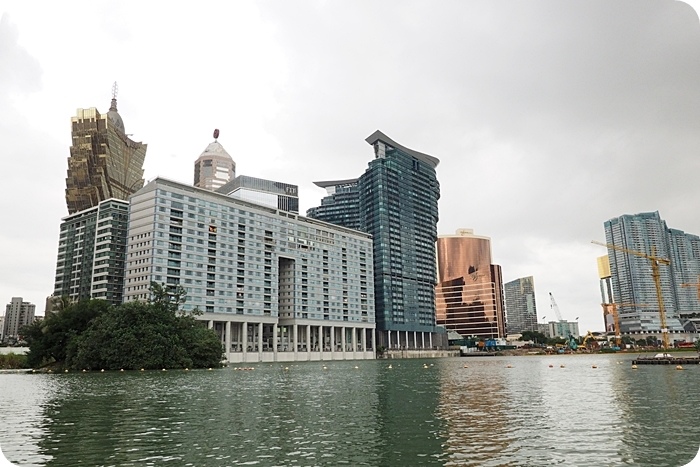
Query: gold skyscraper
[104,162]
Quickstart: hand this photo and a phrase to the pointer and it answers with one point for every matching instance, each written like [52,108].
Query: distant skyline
[548,117]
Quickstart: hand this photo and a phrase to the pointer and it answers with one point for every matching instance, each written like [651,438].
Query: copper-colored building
[104,162]
[469,293]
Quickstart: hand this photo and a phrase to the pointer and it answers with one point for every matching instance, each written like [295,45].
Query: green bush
[13,361]
[93,334]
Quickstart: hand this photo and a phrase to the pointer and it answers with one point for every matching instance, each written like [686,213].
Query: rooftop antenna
[115,88]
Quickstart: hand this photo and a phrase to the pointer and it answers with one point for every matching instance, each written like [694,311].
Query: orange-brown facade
[469,294]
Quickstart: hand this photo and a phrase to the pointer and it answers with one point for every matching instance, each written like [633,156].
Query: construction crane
[554,307]
[570,339]
[612,309]
[655,261]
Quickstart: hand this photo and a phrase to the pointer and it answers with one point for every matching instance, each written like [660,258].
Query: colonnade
[294,340]
[410,340]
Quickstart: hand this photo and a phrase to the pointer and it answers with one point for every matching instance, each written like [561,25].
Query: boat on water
[667,359]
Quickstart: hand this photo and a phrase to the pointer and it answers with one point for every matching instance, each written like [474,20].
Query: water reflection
[657,404]
[418,412]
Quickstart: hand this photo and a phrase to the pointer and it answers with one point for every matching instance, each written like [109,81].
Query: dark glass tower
[341,206]
[395,200]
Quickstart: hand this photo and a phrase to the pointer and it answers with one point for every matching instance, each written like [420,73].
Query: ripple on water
[484,415]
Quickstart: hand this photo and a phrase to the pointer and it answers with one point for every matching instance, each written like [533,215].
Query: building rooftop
[379,136]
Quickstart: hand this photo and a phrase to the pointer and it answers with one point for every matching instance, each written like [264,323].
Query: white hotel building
[274,285]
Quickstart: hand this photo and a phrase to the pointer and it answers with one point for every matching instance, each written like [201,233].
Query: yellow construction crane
[655,261]
[611,308]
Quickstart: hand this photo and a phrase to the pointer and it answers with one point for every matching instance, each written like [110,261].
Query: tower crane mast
[553,305]
[655,261]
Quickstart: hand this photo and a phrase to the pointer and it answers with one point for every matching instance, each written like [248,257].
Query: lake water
[419,412]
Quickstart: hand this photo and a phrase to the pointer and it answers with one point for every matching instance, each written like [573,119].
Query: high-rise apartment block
[104,162]
[214,168]
[396,201]
[18,313]
[341,206]
[91,253]
[521,307]
[275,286]
[633,286]
[278,195]
[469,293]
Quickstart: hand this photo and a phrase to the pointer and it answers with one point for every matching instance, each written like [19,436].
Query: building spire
[115,89]
[216,134]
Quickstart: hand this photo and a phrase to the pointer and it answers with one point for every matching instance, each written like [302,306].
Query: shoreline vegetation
[13,361]
[95,335]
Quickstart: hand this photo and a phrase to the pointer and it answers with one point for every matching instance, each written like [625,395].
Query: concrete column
[260,340]
[332,343]
[430,336]
[308,338]
[295,340]
[422,338]
[415,339]
[210,324]
[388,342]
[345,342]
[244,338]
[321,342]
[227,333]
[354,341]
[364,340]
[274,342]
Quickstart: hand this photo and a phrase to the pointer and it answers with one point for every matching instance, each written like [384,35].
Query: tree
[536,337]
[48,339]
[151,335]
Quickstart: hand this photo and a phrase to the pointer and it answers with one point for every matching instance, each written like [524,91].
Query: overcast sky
[548,117]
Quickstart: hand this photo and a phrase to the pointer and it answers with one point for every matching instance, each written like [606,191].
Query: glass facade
[521,308]
[104,162]
[91,253]
[396,201]
[633,285]
[341,206]
[469,293]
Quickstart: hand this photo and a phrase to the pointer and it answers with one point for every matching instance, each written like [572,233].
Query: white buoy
[634,367]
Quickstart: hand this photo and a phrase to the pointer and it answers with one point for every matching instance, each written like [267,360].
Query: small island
[95,335]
